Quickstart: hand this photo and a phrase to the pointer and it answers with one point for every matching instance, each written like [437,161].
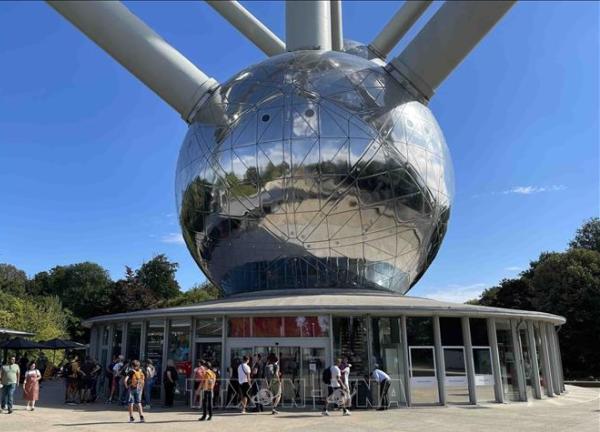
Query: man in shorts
[244,373]
[134,382]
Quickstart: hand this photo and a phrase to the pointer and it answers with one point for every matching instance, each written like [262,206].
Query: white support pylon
[142,51]
[249,26]
[307,25]
[398,26]
[448,37]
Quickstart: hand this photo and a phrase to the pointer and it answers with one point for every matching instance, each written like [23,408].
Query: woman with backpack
[134,383]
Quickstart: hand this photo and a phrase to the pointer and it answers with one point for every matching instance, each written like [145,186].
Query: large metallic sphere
[314,170]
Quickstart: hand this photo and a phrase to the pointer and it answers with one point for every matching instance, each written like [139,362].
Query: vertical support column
[466,329]
[493,338]
[93,341]
[224,349]
[549,330]
[518,351]
[560,365]
[125,328]
[406,360]
[307,25]
[546,370]
[193,342]
[165,355]
[111,329]
[535,370]
[331,340]
[370,342]
[143,337]
[337,33]
[439,359]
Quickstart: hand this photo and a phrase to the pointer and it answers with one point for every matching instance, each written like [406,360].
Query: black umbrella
[57,344]
[20,343]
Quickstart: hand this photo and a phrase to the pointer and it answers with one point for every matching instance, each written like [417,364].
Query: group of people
[260,382]
[81,380]
[339,393]
[14,374]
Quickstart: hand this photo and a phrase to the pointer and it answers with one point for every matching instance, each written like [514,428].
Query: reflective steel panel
[314,170]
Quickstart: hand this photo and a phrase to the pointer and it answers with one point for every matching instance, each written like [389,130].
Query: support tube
[307,25]
[337,33]
[140,50]
[445,41]
[249,26]
[398,26]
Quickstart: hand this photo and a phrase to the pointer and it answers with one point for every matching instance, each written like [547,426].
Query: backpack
[137,379]
[326,377]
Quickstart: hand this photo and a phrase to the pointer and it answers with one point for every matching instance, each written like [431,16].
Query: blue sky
[88,154]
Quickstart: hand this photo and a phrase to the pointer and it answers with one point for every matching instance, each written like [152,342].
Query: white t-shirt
[117,368]
[380,375]
[335,374]
[346,375]
[243,373]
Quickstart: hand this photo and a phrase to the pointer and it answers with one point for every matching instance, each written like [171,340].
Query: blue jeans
[7,395]
[148,391]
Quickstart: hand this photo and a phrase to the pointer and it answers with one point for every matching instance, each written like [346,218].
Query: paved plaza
[578,410]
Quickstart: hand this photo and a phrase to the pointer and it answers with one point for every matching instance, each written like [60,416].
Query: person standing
[108,375]
[208,386]
[115,374]
[335,388]
[170,379]
[31,386]
[198,375]
[134,383]
[345,371]
[273,378]
[150,372]
[10,376]
[244,373]
[258,375]
[383,380]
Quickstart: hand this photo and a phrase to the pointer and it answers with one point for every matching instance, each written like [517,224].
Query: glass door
[484,378]
[455,375]
[423,378]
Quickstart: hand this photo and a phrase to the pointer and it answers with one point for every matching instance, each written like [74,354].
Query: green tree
[84,288]
[568,284]
[129,294]
[12,280]
[588,236]
[510,293]
[40,284]
[43,316]
[196,294]
[158,275]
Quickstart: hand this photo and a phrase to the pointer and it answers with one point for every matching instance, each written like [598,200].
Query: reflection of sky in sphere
[314,170]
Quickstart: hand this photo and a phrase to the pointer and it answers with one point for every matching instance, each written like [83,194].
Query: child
[134,382]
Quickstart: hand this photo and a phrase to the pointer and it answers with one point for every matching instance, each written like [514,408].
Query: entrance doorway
[455,375]
[301,363]
[423,377]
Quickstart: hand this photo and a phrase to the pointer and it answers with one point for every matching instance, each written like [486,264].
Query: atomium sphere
[317,170]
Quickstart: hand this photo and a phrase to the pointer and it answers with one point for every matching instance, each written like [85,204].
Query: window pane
[451,331]
[302,326]
[266,327]
[117,340]
[240,327]
[388,353]
[508,366]
[419,331]
[209,327]
[479,333]
[350,340]
[134,339]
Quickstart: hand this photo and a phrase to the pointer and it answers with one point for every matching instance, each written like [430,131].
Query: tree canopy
[54,303]
[563,283]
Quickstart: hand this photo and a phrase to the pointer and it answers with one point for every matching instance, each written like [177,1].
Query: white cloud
[513,268]
[528,190]
[524,190]
[458,293]
[172,238]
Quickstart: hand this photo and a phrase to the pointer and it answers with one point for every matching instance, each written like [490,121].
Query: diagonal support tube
[398,26]
[337,32]
[444,42]
[249,26]
[142,51]
[307,25]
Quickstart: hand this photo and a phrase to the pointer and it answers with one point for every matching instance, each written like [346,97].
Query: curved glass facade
[314,170]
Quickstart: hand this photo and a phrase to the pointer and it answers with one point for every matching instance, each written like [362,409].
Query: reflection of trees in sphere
[314,170]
